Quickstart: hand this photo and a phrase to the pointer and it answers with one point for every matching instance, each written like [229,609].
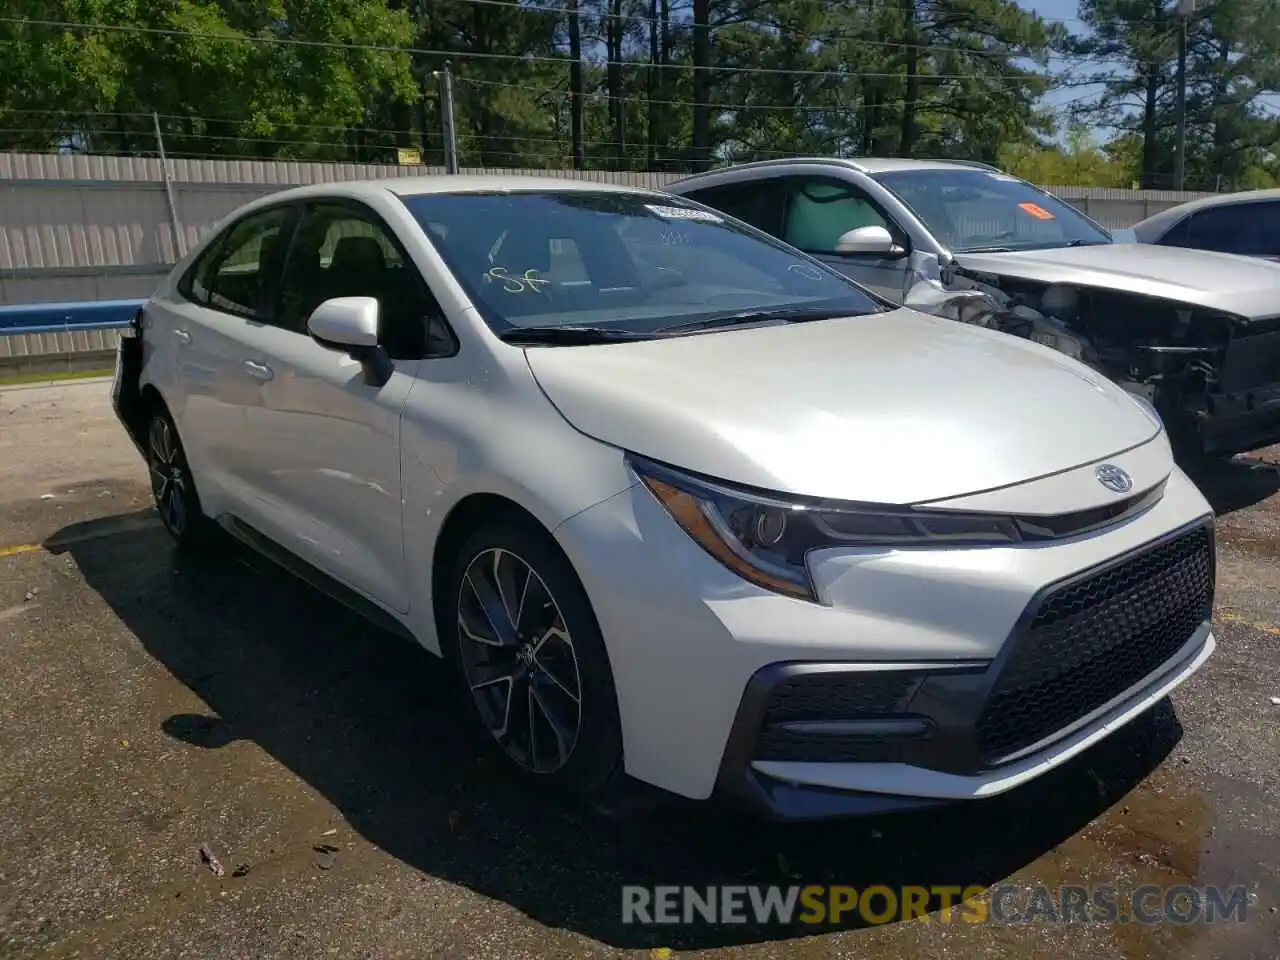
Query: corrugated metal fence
[78,228]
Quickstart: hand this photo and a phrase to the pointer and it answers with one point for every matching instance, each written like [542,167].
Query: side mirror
[871,241]
[350,325]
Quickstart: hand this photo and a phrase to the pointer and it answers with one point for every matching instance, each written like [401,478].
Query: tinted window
[822,209]
[344,250]
[1251,229]
[759,203]
[1178,235]
[639,260]
[969,210]
[237,273]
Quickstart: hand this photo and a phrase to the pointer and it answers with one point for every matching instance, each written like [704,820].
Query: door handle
[182,335]
[259,371]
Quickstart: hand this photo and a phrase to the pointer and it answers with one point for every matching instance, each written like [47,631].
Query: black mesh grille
[839,696]
[1095,638]
[832,696]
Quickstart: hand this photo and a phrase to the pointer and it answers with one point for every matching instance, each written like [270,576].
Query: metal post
[179,241]
[446,119]
[1185,9]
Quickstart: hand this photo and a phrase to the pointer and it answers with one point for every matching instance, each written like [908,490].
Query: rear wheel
[525,644]
[172,486]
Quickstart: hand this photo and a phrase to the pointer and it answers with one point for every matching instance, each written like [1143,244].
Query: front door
[327,459]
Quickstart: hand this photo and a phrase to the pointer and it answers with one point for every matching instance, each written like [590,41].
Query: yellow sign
[409,157]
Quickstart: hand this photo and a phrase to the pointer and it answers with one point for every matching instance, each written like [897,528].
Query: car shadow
[1232,484]
[368,720]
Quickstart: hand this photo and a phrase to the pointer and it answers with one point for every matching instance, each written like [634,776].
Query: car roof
[868,165]
[425,184]
[1158,223]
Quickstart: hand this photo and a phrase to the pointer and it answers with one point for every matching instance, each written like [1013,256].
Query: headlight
[764,537]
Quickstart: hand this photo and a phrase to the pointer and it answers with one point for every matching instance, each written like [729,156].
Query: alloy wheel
[168,478]
[519,661]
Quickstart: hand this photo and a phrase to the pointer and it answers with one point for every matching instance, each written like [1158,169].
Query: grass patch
[15,379]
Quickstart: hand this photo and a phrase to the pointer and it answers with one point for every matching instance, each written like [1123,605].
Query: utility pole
[179,240]
[446,119]
[1186,8]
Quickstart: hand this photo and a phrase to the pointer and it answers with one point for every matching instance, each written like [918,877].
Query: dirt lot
[149,707]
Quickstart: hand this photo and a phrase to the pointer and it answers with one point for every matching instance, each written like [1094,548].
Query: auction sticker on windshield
[1037,211]
[682,213]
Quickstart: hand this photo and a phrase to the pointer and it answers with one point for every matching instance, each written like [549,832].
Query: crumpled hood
[1248,287]
[896,407]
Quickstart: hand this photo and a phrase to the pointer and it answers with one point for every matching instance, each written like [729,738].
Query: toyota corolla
[673,500]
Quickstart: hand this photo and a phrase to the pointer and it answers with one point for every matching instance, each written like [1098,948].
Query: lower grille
[1093,639]
[833,697]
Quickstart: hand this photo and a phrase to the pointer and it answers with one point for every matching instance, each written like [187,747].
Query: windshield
[974,210]
[628,262]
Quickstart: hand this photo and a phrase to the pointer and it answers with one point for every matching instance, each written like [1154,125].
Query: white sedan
[674,500]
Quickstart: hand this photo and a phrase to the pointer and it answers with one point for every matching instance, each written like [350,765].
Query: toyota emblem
[1113,478]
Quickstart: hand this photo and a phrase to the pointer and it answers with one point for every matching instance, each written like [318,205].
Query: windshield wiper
[569,336]
[787,314]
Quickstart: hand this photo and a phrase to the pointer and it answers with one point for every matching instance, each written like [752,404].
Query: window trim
[365,212]
[792,183]
[187,281]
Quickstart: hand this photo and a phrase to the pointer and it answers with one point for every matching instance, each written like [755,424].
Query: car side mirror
[350,325]
[873,241]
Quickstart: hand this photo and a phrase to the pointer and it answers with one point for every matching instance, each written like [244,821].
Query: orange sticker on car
[1037,211]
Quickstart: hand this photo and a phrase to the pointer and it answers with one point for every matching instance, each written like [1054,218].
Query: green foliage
[1233,59]
[356,80]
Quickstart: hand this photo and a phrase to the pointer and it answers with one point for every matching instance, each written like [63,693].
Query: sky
[1065,11]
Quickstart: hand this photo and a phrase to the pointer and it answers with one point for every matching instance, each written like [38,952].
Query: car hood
[1244,286]
[896,407]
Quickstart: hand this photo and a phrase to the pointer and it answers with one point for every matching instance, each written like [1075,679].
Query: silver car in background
[1247,223]
[1195,333]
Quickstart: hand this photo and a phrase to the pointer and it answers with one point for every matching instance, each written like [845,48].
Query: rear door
[223,300]
[326,449]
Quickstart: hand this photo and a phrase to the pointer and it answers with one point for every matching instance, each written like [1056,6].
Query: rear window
[637,260]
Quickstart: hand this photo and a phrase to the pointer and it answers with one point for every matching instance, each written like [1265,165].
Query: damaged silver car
[1195,333]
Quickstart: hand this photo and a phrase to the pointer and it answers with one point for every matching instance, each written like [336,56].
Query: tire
[521,655]
[173,487]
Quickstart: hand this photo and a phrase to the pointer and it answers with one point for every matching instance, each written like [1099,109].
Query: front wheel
[525,644]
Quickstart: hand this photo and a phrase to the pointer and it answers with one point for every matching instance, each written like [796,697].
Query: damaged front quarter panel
[1212,382]
[980,299]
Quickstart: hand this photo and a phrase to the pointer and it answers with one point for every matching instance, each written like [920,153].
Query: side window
[820,210]
[758,203]
[1178,235]
[342,250]
[1251,229]
[237,273]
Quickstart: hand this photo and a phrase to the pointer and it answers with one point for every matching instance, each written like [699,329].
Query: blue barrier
[54,317]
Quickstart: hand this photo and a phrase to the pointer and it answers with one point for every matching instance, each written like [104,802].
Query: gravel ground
[149,707]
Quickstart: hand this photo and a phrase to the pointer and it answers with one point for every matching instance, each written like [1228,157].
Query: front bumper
[1088,655]
[693,646]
